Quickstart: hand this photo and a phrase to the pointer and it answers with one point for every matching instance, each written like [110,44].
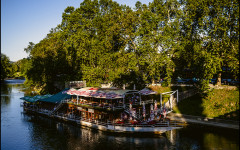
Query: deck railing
[97,106]
[129,124]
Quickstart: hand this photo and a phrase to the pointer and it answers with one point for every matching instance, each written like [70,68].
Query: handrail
[58,107]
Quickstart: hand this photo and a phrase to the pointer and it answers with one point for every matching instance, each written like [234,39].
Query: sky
[24,21]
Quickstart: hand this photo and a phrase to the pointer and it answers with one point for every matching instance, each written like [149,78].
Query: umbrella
[144,110]
[155,108]
[71,92]
[130,106]
[151,112]
[151,107]
[155,105]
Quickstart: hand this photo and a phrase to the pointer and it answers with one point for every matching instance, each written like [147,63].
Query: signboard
[75,84]
[79,108]
[91,110]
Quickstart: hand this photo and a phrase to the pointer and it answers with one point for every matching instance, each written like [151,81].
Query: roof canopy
[35,98]
[100,92]
[57,97]
[147,91]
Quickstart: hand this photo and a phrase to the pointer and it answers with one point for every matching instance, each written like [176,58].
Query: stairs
[57,108]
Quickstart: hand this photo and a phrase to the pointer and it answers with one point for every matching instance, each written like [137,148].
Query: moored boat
[113,110]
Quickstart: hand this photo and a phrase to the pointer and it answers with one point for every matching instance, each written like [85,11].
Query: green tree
[29,48]
[102,41]
[5,66]
[209,38]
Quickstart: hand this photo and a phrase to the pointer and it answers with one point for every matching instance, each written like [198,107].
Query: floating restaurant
[107,109]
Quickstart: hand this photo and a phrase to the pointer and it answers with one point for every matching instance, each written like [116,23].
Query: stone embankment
[205,121]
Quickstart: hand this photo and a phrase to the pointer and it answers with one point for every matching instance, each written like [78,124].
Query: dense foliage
[102,41]
[5,66]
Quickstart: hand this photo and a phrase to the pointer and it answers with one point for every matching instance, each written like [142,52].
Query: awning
[57,97]
[147,91]
[35,98]
[99,92]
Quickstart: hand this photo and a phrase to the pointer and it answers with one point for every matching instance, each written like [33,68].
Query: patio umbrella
[155,108]
[155,105]
[130,106]
[144,111]
[151,112]
[71,92]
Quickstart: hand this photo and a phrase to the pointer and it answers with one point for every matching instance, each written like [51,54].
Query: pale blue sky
[24,21]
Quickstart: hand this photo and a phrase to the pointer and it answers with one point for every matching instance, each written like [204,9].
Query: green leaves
[102,41]
[5,66]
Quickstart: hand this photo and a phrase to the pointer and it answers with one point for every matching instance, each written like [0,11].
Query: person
[164,113]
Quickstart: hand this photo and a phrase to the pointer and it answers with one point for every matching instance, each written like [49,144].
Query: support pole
[124,101]
[177,96]
[140,98]
[171,101]
[161,101]
[77,99]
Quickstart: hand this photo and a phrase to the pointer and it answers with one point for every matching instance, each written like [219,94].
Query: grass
[160,89]
[220,103]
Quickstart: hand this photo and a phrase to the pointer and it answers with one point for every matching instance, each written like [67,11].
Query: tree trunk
[219,79]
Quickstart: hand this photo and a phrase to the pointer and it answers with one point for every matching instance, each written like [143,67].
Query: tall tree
[5,66]
[209,31]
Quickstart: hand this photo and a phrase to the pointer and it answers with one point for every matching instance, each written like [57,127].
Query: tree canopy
[5,66]
[102,41]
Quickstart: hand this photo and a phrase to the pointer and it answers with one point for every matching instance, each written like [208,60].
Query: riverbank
[205,121]
[219,103]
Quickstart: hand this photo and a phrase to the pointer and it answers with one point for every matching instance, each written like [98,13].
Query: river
[20,131]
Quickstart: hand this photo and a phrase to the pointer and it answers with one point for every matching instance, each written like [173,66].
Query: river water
[20,131]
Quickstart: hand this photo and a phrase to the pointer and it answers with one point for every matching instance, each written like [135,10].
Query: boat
[106,109]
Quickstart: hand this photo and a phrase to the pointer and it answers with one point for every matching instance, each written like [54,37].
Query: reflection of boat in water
[113,110]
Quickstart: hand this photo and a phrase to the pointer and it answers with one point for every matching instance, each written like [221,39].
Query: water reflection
[10,88]
[5,93]
[51,134]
